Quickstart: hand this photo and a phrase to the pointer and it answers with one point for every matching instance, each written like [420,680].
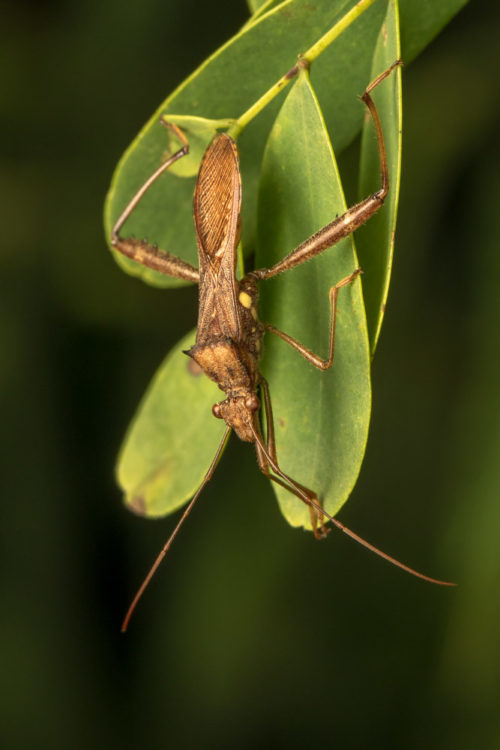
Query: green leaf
[172,439]
[375,240]
[321,418]
[256,5]
[199,131]
[264,6]
[421,21]
[174,436]
[228,83]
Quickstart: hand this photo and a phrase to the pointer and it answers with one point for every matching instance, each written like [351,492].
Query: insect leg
[140,250]
[355,216]
[311,499]
[314,359]
[270,439]
[269,454]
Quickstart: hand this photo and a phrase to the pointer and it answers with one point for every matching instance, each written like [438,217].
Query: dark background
[252,634]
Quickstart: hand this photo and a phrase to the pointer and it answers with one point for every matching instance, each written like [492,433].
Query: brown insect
[229,334]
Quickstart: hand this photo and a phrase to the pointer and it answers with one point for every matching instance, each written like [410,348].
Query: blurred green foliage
[253,633]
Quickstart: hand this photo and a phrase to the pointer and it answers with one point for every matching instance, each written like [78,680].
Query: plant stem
[304,61]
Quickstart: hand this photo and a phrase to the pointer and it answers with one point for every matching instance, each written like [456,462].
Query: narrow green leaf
[321,418]
[375,240]
[172,439]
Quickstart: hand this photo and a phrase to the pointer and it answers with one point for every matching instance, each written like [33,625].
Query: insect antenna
[172,536]
[364,543]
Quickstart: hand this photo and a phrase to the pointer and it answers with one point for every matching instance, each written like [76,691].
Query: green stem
[305,60]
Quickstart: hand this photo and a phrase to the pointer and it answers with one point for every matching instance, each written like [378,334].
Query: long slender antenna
[172,536]
[338,524]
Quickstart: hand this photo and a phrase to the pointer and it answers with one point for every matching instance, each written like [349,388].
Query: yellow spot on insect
[245,300]
[254,313]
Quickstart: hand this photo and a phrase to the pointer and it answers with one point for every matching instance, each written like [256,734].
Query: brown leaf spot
[138,505]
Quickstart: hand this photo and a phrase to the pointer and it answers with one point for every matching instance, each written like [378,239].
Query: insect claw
[321,533]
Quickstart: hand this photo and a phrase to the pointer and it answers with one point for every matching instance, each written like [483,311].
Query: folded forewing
[217,201]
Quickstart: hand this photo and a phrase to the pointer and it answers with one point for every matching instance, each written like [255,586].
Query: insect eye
[252,403]
[216,411]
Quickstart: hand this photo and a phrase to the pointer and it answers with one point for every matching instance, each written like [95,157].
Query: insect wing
[217,203]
